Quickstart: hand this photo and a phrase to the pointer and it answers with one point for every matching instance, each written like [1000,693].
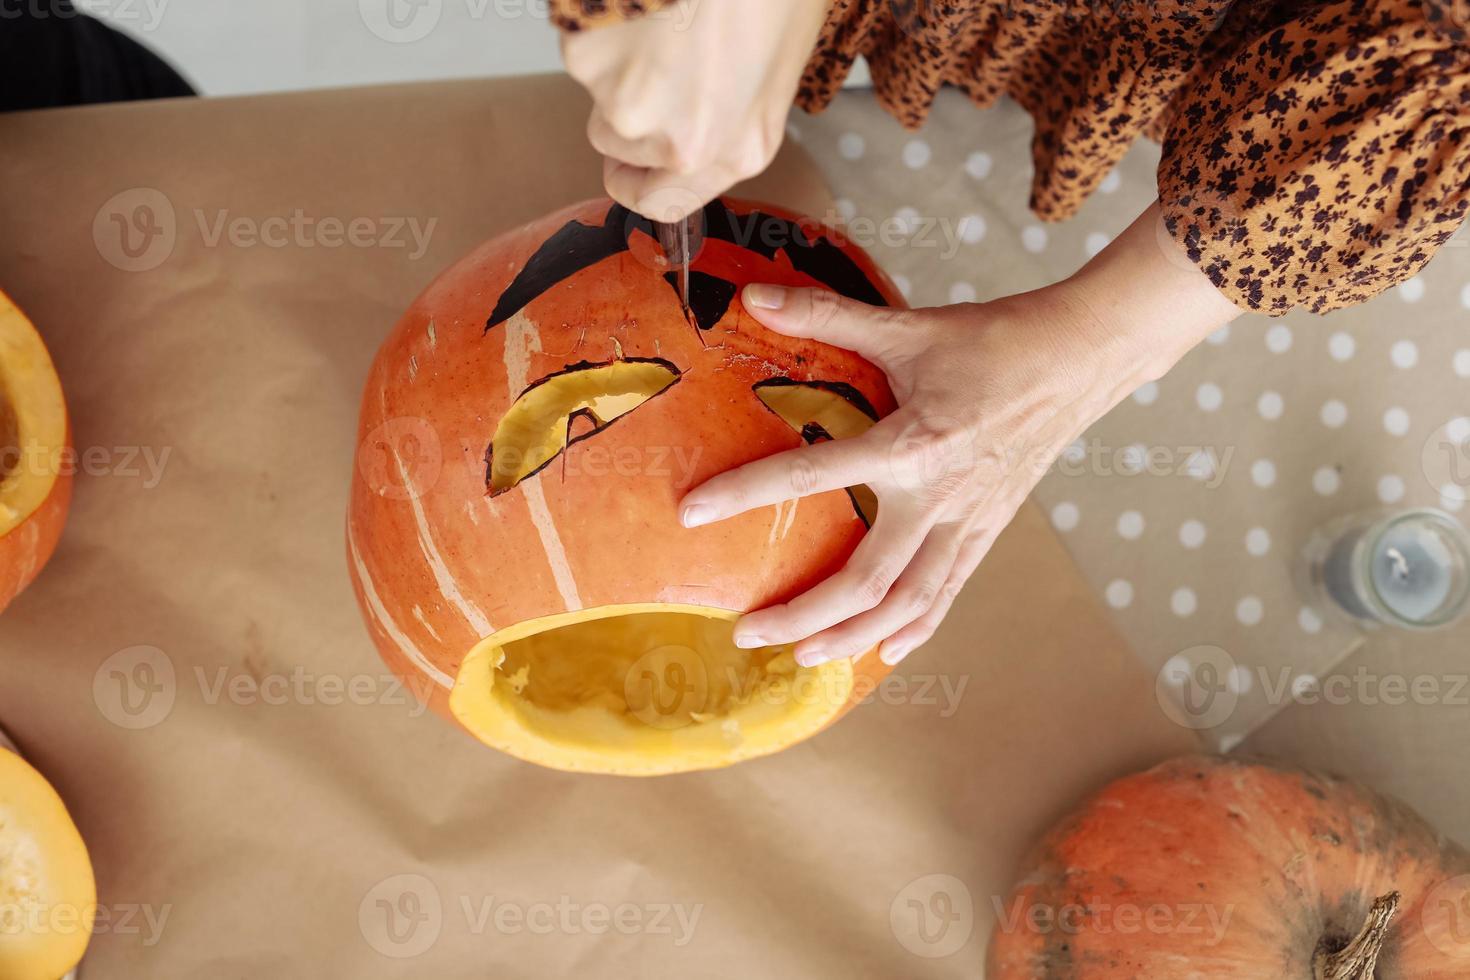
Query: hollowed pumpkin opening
[584,397]
[643,689]
[32,419]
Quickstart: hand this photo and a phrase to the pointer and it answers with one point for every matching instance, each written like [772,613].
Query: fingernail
[696,514]
[748,641]
[763,296]
[892,653]
[812,657]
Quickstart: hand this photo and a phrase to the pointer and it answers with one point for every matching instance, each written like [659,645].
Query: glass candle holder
[1408,569]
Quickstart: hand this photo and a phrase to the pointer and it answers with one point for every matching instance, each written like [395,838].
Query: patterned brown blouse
[1314,153]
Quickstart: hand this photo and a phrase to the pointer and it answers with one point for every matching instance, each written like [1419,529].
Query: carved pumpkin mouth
[32,420]
[646,689]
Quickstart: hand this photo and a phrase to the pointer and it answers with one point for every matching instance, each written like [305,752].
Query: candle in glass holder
[1409,569]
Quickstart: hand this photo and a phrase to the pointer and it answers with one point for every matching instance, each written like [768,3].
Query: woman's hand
[988,395]
[692,99]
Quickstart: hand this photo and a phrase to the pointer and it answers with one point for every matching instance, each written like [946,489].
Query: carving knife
[680,241]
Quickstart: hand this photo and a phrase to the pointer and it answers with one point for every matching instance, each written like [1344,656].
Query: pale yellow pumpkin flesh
[32,419]
[649,689]
[539,425]
[48,895]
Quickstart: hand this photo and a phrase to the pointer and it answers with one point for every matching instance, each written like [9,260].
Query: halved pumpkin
[48,897]
[35,482]
[545,594]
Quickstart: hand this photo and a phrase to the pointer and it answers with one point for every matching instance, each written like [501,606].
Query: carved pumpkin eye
[823,410]
[589,397]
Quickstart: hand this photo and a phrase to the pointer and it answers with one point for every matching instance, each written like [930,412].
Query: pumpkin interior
[542,421]
[32,419]
[641,689]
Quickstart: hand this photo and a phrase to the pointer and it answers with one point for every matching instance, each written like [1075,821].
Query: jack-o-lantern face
[527,433]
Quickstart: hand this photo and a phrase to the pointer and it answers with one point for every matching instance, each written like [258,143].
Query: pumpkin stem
[1356,960]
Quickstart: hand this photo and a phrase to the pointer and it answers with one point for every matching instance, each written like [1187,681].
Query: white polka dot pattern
[1187,505]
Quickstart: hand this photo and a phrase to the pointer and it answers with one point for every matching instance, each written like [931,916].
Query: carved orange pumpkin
[35,477]
[527,433]
[1208,867]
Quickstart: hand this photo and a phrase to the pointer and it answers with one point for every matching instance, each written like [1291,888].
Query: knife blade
[681,241]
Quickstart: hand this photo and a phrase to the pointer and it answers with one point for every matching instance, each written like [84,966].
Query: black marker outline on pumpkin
[490,491]
[575,246]
[709,296]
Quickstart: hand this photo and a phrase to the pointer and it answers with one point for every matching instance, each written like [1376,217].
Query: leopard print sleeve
[576,15]
[1326,157]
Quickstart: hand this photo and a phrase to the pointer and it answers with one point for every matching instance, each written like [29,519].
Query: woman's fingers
[823,315]
[908,639]
[642,152]
[659,193]
[912,596]
[799,472]
[971,553]
[880,558]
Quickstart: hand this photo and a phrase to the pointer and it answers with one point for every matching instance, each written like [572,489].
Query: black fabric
[53,55]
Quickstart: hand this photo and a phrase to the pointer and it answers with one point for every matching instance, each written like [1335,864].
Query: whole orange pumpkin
[35,475]
[526,435]
[1209,867]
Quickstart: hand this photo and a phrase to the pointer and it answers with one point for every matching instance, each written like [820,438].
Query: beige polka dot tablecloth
[1187,506]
